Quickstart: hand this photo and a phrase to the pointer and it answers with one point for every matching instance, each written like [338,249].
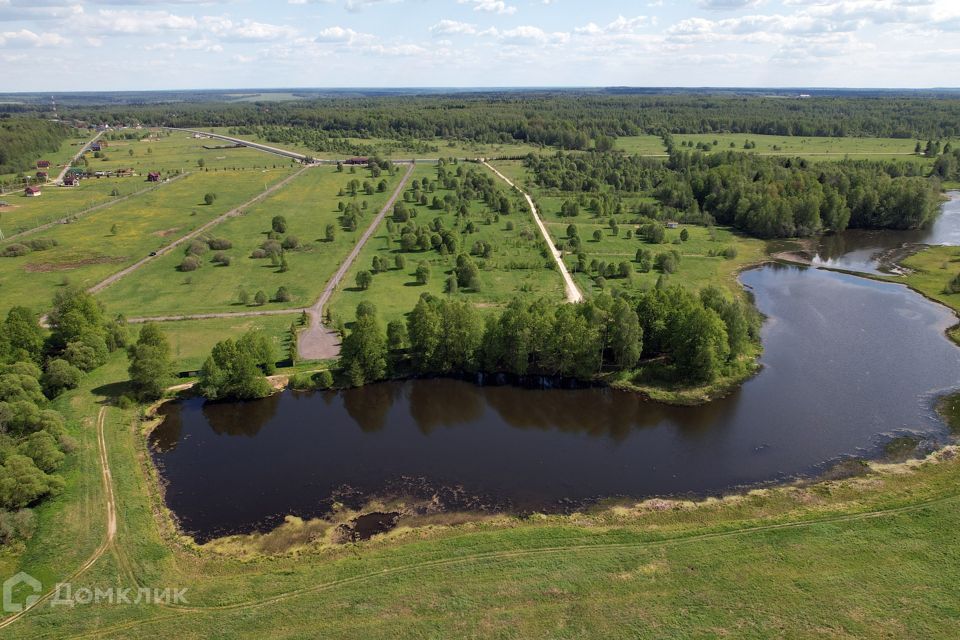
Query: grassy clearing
[739,566]
[516,267]
[192,340]
[23,213]
[647,145]
[168,151]
[931,270]
[89,251]
[803,146]
[309,204]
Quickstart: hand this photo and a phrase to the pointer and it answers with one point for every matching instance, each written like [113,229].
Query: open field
[931,270]
[741,566]
[430,149]
[835,148]
[646,145]
[170,151]
[192,340]
[309,204]
[23,213]
[516,267]
[88,251]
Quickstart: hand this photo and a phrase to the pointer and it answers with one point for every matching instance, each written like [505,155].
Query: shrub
[221,259]
[282,295]
[219,244]
[323,379]
[279,224]
[290,242]
[196,248]
[15,250]
[60,375]
[258,254]
[260,298]
[730,253]
[209,198]
[42,244]
[16,525]
[272,248]
[190,263]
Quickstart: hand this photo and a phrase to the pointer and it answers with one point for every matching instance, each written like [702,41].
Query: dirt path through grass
[573,292]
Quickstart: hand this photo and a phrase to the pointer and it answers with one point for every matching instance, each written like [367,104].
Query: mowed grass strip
[309,203]
[88,250]
[515,268]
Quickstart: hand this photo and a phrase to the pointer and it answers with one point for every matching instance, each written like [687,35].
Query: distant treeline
[770,197]
[564,119]
[23,141]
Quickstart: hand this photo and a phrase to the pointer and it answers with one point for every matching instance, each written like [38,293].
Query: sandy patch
[166,232]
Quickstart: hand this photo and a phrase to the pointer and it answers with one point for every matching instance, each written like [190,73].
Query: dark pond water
[873,251]
[849,364]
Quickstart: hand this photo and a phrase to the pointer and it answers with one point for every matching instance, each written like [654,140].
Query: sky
[81,45]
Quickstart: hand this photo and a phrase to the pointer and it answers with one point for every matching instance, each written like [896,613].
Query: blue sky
[62,45]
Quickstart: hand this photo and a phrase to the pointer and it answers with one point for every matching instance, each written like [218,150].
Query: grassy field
[168,151]
[309,203]
[516,267]
[875,148]
[871,557]
[89,251]
[931,270]
[647,145]
[22,212]
[192,340]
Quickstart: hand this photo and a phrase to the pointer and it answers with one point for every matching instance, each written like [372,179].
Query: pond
[873,251]
[849,364]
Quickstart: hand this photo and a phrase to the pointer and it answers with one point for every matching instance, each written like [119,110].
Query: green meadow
[308,203]
[110,239]
[192,340]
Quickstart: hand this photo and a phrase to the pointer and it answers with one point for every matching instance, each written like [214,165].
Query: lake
[848,365]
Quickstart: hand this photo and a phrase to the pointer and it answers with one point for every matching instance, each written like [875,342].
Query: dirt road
[572,292]
[83,147]
[317,342]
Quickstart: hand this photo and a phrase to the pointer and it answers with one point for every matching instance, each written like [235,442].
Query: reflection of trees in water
[599,412]
[240,418]
[444,403]
[167,434]
[369,405]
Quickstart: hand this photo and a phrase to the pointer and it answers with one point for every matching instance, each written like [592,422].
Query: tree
[22,483]
[279,224]
[396,335]
[236,369]
[330,233]
[282,295]
[423,273]
[113,229]
[243,297]
[59,376]
[597,235]
[364,351]
[150,365]
[684,235]
[364,279]
[626,335]
[260,298]
[209,198]
[21,337]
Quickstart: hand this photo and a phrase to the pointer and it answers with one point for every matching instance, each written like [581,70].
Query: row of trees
[23,141]
[668,332]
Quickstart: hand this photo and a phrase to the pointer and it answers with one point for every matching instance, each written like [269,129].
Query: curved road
[573,293]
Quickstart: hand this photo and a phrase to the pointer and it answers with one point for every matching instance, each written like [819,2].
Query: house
[33,192]
[99,145]
[125,172]
[153,176]
[71,180]
[43,164]
[42,175]
[356,161]
[672,225]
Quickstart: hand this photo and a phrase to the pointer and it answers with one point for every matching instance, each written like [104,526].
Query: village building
[32,192]
[71,180]
[43,164]
[153,176]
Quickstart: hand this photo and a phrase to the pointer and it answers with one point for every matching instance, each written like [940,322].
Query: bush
[282,295]
[196,248]
[279,224]
[258,254]
[272,248]
[290,242]
[18,525]
[260,298]
[42,244]
[221,259]
[190,263]
[15,250]
[730,253]
[219,244]
[209,198]
[323,379]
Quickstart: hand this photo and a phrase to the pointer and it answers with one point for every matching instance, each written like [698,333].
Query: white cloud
[453,27]
[27,38]
[729,5]
[342,35]
[490,6]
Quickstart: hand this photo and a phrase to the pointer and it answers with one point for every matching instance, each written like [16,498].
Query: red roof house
[43,164]
[71,180]
[153,176]
[32,191]
[41,175]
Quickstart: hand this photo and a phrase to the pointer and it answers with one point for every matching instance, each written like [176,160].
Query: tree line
[667,333]
[23,141]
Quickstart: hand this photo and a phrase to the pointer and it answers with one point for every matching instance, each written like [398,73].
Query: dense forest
[23,141]
[565,119]
[770,197]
